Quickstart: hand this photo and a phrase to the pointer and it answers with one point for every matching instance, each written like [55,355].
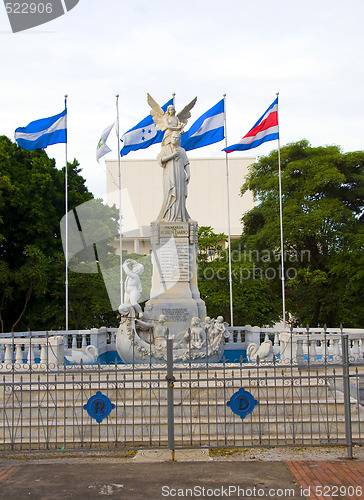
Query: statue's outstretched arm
[127,270]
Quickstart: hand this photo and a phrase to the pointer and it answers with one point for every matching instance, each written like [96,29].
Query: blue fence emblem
[99,406]
[242,403]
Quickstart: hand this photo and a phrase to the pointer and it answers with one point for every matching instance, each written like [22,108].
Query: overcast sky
[311,52]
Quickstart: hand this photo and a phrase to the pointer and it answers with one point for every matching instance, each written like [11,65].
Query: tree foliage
[32,264]
[323,201]
[252,303]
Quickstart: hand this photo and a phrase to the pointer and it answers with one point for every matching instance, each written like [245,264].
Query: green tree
[323,200]
[32,265]
[252,302]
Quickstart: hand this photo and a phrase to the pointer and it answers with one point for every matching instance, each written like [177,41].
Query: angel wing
[157,113]
[185,114]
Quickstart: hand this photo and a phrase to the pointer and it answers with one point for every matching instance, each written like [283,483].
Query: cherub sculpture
[194,335]
[133,287]
[169,121]
[219,328]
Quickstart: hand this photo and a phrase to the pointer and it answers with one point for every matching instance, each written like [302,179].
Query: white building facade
[142,195]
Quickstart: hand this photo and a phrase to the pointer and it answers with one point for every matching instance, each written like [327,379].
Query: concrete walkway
[152,475]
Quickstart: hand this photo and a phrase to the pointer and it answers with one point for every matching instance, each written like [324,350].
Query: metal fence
[299,403]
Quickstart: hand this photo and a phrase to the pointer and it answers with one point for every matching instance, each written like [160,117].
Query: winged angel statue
[173,160]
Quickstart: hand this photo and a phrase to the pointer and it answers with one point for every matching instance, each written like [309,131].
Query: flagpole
[281,223]
[120,220]
[66,212]
[228,209]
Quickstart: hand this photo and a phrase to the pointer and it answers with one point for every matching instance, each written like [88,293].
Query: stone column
[55,351]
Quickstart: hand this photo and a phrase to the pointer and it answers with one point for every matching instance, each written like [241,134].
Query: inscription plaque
[174,259]
[174,230]
[178,315]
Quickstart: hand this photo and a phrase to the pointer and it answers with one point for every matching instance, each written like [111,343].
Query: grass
[224,452]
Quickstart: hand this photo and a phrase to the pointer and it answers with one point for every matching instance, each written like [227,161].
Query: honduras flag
[266,129]
[143,135]
[208,129]
[42,133]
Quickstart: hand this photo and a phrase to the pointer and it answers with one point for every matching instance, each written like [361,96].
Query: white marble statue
[195,334]
[132,285]
[176,176]
[169,121]
[87,356]
[175,314]
[173,159]
[264,351]
[218,327]
[135,345]
[160,333]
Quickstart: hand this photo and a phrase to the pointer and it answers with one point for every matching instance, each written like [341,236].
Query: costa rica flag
[266,129]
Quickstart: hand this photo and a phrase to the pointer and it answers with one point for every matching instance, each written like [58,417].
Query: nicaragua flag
[266,129]
[42,133]
[208,129]
[143,135]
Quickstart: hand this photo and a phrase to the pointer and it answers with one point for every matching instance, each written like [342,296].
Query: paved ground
[152,475]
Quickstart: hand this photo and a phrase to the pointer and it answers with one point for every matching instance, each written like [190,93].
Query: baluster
[84,343]
[43,354]
[18,354]
[356,349]
[74,341]
[336,351]
[9,353]
[276,346]
[313,353]
[276,339]
[362,348]
[112,338]
[30,359]
[299,352]
[2,352]
[305,345]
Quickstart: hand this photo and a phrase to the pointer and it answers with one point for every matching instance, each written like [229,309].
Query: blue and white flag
[42,133]
[143,135]
[207,129]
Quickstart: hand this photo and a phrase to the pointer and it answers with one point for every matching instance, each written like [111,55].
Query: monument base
[175,309]
[178,313]
[174,291]
[140,342]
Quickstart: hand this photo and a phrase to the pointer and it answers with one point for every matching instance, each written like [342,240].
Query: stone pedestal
[174,291]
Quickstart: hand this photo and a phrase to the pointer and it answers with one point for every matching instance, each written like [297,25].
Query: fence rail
[300,403]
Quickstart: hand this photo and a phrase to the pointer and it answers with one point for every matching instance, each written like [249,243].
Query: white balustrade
[315,345]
